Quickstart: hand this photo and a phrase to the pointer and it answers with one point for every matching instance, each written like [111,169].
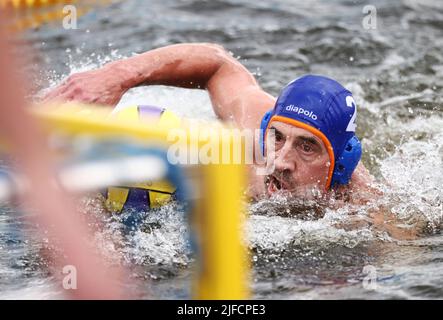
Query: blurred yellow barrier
[223,270]
[223,266]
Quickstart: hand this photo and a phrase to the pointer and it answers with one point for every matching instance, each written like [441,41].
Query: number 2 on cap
[350,102]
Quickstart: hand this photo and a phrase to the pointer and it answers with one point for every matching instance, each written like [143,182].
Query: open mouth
[274,184]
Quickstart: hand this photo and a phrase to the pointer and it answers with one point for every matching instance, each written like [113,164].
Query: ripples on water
[396,75]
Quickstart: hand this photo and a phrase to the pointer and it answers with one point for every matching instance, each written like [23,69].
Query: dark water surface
[396,75]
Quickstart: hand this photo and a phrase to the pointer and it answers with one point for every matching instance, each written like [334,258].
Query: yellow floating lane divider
[223,267]
[26,14]
[34,4]
[22,4]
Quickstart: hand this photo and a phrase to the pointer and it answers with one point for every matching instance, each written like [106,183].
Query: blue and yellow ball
[148,195]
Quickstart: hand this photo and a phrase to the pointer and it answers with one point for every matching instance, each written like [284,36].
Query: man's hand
[102,86]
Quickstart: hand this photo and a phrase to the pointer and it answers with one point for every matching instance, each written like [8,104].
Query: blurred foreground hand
[56,212]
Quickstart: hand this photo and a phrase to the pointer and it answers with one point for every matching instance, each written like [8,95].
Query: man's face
[301,161]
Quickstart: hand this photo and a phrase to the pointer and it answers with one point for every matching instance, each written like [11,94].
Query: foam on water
[410,177]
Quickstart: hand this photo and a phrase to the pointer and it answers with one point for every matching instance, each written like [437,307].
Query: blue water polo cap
[328,110]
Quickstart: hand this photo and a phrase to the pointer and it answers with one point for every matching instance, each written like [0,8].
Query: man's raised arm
[207,66]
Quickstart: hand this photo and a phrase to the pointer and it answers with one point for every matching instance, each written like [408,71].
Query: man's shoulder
[361,189]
